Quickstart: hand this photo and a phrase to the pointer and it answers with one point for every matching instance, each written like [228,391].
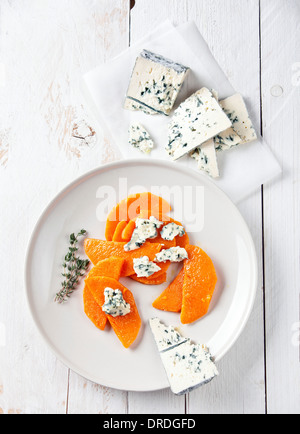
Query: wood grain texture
[241,386]
[281,106]
[49,136]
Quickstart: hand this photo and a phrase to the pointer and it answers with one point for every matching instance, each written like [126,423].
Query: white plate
[216,226]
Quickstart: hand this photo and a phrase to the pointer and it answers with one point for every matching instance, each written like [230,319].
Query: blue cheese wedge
[114,304]
[197,120]
[171,231]
[145,229]
[140,139]
[236,110]
[143,267]
[227,140]
[174,254]
[187,366]
[206,158]
[166,338]
[155,84]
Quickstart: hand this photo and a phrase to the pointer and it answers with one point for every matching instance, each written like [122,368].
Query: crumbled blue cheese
[197,120]
[166,338]
[206,157]
[236,110]
[143,267]
[140,139]
[114,304]
[174,254]
[171,231]
[155,84]
[187,366]
[145,229]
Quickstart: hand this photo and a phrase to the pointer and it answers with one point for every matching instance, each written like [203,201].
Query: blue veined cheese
[197,120]
[206,157]
[134,106]
[114,304]
[174,254]
[166,338]
[155,84]
[145,229]
[187,366]
[171,231]
[140,139]
[236,110]
[143,267]
[227,140]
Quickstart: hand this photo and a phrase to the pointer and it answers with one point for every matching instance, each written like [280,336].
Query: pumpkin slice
[148,281]
[97,250]
[128,209]
[118,232]
[111,267]
[126,327]
[171,299]
[199,283]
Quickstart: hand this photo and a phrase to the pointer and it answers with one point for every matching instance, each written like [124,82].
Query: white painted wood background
[45,47]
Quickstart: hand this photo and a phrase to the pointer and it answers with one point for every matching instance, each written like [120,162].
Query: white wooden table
[45,47]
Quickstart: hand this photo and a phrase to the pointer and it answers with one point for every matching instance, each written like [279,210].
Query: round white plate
[213,223]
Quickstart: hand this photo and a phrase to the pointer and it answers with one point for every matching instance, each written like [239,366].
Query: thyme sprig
[74,268]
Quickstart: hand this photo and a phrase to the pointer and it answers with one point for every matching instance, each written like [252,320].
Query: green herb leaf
[73,269]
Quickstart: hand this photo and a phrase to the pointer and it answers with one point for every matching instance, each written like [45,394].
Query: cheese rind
[236,110]
[197,120]
[140,139]
[155,84]
[187,366]
[206,157]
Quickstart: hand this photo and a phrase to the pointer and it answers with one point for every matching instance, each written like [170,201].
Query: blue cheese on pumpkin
[144,229]
[206,158]
[114,304]
[197,120]
[174,254]
[155,84]
[171,231]
[140,139]
[143,267]
[236,110]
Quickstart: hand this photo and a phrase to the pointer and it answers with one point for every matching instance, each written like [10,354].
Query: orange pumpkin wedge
[97,250]
[171,299]
[128,209]
[159,280]
[199,283]
[111,267]
[126,327]
[119,230]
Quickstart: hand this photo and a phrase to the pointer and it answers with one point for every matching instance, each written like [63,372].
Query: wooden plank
[240,389]
[45,47]
[281,105]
